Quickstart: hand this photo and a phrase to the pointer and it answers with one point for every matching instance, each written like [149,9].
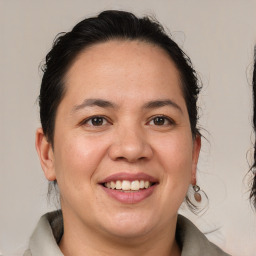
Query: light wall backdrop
[219,36]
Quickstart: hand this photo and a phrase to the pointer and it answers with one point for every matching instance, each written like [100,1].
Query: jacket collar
[44,240]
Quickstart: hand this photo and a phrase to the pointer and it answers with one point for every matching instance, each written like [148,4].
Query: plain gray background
[219,36]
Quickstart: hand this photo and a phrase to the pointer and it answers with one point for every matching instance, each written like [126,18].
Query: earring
[197,199]
[197,195]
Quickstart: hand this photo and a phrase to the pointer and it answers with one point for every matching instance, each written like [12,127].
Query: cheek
[77,158]
[175,154]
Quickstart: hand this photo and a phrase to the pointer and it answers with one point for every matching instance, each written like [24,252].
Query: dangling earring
[197,195]
[197,200]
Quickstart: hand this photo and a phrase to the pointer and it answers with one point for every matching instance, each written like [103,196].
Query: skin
[129,75]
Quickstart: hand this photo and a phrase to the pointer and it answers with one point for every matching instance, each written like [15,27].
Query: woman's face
[123,151]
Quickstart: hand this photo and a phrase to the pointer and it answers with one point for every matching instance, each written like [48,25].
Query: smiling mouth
[129,186]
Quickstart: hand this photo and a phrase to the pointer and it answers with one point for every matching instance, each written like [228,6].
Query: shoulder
[46,236]
[193,242]
[27,253]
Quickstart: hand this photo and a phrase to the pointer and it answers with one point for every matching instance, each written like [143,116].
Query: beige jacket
[44,240]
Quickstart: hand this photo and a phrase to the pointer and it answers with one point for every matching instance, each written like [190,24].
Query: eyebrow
[162,103]
[107,104]
[94,102]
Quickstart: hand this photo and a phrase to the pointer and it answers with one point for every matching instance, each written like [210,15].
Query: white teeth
[142,184]
[135,185]
[126,185]
[112,185]
[118,184]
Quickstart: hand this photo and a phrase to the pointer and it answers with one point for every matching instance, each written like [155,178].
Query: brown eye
[159,120]
[95,121]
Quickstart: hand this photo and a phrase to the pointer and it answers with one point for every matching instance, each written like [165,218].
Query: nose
[130,144]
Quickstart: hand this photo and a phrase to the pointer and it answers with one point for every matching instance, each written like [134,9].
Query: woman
[119,137]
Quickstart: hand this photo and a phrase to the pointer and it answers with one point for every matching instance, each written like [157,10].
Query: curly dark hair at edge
[110,25]
[253,168]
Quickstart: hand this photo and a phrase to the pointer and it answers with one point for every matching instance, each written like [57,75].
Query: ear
[195,156]
[45,153]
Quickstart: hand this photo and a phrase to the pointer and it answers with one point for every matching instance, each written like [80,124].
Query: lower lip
[129,197]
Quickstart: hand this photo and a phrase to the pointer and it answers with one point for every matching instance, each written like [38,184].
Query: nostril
[130,150]
[120,158]
[131,160]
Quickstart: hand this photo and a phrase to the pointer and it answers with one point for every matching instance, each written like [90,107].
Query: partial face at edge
[123,117]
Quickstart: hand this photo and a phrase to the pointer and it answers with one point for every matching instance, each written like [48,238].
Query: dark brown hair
[253,168]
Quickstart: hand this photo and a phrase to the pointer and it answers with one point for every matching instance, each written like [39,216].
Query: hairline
[139,39]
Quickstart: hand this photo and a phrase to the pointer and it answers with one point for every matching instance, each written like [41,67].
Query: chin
[130,232]
[129,225]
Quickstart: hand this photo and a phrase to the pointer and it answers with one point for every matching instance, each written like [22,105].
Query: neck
[79,239]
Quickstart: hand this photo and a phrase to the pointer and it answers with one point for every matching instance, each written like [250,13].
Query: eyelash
[168,119]
[104,121]
[90,119]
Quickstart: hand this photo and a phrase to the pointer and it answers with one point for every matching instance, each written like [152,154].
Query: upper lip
[129,176]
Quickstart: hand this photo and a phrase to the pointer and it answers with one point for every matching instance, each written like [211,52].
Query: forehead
[123,66]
